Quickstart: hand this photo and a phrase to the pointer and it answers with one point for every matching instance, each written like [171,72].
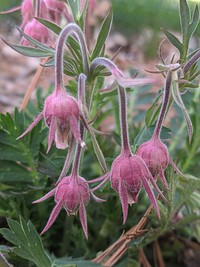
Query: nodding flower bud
[27,10]
[72,193]
[128,174]
[61,115]
[155,155]
[37,31]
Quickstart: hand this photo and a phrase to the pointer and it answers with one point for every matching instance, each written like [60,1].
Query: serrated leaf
[103,34]
[29,51]
[173,40]
[27,242]
[11,172]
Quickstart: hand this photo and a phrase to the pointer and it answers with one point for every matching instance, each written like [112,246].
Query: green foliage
[27,242]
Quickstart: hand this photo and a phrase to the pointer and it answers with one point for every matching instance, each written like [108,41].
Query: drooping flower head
[37,31]
[71,193]
[154,152]
[156,156]
[129,174]
[61,115]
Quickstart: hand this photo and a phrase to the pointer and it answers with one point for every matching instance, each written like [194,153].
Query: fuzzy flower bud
[61,115]
[155,155]
[72,194]
[37,31]
[27,11]
[128,174]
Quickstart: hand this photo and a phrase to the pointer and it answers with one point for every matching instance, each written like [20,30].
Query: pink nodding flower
[71,193]
[129,174]
[56,9]
[61,115]
[27,11]
[154,152]
[37,31]
[156,156]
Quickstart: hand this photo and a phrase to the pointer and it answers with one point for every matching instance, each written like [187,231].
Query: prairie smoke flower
[27,11]
[71,193]
[154,152]
[61,115]
[37,31]
[129,173]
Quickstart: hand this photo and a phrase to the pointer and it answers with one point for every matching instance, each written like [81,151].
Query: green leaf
[184,16]
[103,34]
[27,242]
[173,40]
[35,42]
[50,25]
[29,51]
[74,263]
[153,111]
[98,152]
[195,21]
[75,8]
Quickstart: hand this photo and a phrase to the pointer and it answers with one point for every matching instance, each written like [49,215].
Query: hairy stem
[65,33]
[165,103]
[123,120]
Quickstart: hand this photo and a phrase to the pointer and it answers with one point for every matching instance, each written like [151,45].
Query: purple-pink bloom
[128,174]
[61,115]
[71,193]
[37,31]
[155,154]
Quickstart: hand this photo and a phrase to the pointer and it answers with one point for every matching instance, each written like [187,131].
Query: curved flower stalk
[61,111]
[121,79]
[61,115]
[154,152]
[129,173]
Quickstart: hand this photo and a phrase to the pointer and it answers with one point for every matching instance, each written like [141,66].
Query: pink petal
[158,190]
[163,179]
[48,195]
[33,124]
[98,179]
[124,200]
[150,194]
[103,182]
[52,131]
[176,168]
[97,199]
[83,219]
[53,216]
[75,130]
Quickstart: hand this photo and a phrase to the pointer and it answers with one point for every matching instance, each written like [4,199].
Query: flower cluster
[67,118]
